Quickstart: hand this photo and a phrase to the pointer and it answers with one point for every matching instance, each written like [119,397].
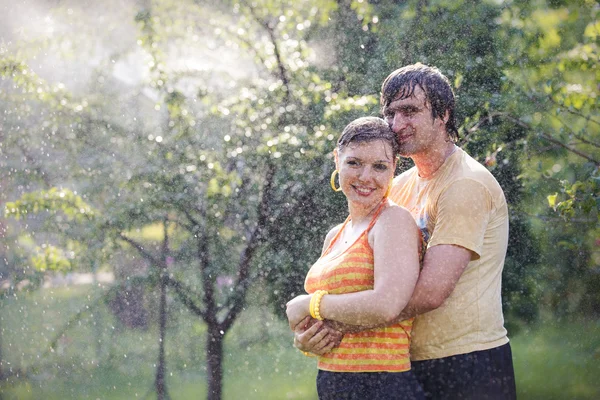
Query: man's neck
[429,162]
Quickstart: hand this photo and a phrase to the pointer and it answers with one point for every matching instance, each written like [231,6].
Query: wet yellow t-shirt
[462,204]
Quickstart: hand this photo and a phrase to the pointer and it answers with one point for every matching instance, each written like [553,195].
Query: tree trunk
[160,384]
[214,361]
[1,364]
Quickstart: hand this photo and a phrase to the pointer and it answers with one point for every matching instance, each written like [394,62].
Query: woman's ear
[336,159]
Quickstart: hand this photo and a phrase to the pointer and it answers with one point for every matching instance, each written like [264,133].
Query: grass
[558,360]
[99,359]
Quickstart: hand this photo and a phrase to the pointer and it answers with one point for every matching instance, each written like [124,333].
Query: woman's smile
[363,191]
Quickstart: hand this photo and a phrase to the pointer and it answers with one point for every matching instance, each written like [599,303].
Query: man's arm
[463,215]
[443,266]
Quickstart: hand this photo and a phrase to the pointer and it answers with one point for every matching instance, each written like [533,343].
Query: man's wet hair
[401,84]
[368,129]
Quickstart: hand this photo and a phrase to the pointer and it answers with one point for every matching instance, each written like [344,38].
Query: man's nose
[397,123]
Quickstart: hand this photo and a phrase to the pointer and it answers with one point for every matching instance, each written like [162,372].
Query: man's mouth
[403,138]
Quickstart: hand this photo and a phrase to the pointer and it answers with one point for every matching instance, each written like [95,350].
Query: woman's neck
[359,215]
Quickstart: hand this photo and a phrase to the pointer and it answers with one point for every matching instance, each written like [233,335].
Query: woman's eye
[352,162]
[380,167]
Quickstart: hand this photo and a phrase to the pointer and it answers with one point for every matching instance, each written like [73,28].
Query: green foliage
[551,85]
[579,199]
[50,258]
[54,200]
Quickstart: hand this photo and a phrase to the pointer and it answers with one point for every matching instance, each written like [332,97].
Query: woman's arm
[396,256]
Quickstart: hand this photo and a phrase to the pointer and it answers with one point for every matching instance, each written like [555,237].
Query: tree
[218,200]
[551,91]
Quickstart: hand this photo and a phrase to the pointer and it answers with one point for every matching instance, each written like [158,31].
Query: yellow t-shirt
[462,204]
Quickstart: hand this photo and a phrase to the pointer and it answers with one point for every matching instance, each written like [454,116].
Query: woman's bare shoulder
[395,212]
[394,218]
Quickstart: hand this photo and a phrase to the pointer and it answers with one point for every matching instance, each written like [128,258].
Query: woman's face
[365,169]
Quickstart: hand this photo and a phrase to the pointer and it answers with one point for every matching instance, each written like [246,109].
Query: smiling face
[365,169]
[412,121]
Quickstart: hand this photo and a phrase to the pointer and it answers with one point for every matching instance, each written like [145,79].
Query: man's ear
[446,117]
[442,120]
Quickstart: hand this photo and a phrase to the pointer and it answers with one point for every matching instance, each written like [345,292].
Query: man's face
[411,120]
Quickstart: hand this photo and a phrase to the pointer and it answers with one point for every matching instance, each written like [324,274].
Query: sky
[65,40]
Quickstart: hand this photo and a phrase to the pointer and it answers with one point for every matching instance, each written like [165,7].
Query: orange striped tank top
[375,350]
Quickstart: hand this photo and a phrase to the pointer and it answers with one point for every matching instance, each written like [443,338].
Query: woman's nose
[365,174]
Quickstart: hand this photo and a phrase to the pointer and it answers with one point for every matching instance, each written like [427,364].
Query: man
[459,345]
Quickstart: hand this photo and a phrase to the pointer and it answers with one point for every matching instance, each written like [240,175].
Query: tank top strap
[336,237]
[371,224]
[376,215]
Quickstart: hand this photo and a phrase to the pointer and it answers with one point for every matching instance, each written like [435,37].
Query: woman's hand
[316,337]
[297,309]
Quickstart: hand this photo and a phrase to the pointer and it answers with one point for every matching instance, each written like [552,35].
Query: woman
[365,275]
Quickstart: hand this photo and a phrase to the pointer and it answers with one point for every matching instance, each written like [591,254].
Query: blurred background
[164,181]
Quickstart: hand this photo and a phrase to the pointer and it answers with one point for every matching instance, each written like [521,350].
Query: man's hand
[315,337]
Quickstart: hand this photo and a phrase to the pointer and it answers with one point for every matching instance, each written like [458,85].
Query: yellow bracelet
[307,354]
[312,305]
[315,304]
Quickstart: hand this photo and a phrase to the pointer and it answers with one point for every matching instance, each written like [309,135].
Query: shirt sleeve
[463,213]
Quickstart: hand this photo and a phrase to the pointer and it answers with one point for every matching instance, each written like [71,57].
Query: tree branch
[573,112]
[33,161]
[236,301]
[142,251]
[532,95]
[183,292]
[570,148]
[545,136]
[280,65]
[210,315]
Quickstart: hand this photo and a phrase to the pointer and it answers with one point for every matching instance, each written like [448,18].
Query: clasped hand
[310,335]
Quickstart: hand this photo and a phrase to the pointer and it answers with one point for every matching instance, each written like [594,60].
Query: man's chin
[406,151]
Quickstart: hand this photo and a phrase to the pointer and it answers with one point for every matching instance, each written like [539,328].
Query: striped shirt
[375,350]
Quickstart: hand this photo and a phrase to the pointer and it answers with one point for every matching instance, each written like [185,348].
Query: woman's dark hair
[368,129]
[401,84]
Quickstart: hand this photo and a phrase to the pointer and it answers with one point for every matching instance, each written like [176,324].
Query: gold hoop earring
[332,181]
